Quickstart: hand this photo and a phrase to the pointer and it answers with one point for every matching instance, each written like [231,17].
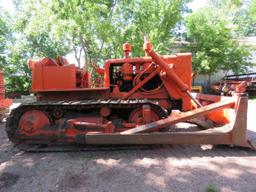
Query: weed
[212,188]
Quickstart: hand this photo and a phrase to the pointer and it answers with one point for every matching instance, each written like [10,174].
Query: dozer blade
[233,133]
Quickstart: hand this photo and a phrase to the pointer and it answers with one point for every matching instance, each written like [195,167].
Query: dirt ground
[168,168]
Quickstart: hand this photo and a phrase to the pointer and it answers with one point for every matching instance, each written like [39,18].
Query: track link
[21,142]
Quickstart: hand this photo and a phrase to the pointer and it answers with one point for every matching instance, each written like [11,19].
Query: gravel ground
[168,168]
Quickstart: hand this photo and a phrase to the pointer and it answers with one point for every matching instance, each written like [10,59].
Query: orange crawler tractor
[142,97]
[4,103]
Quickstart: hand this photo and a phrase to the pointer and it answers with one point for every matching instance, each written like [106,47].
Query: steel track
[48,107]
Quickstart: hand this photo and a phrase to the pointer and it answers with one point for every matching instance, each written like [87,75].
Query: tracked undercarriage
[61,129]
[59,116]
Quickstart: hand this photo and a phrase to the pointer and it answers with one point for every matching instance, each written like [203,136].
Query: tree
[252,10]
[245,19]
[92,30]
[214,46]
[99,28]
[28,38]
[155,18]
[4,36]
[241,15]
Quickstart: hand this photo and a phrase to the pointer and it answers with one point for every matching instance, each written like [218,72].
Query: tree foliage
[213,43]
[252,9]
[29,38]
[99,28]
[4,36]
[239,13]
[245,19]
[94,30]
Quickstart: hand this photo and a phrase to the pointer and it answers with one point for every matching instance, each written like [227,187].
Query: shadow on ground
[158,168]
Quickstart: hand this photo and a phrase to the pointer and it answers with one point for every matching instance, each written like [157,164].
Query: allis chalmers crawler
[142,97]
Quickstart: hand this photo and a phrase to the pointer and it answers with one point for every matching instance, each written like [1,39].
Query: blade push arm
[168,68]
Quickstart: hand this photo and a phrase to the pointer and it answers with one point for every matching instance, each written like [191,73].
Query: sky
[197,4]
[8,6]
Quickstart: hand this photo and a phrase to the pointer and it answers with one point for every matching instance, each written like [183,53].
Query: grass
[87,157]
[252,97]
[212,188]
